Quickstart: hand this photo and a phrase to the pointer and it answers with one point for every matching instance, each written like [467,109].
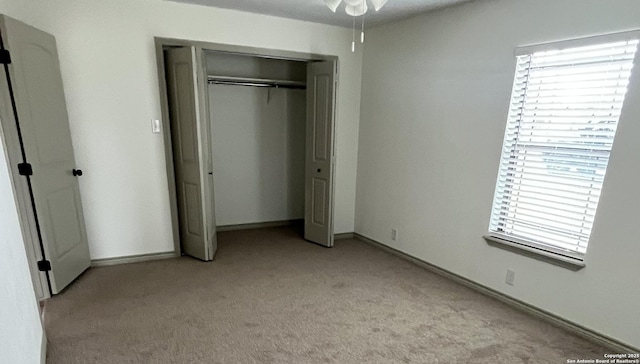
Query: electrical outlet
[511,277]
[394,234]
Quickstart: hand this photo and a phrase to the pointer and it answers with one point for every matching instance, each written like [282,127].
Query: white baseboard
[342,236]
[593,336]
[133,259]
[43,348]
[258,225]
[271,224]
[167,255]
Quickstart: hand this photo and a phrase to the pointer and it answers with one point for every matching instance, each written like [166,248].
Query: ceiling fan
[355,8]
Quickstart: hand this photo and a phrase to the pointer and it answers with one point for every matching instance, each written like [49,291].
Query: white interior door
[319,168]
[189,142]
[42,126]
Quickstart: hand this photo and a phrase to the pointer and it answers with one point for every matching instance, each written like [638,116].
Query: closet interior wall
[258,140]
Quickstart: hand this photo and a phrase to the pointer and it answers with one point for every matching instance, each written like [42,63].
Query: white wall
[434,106]
[258,142]
[21,332]
[108,63]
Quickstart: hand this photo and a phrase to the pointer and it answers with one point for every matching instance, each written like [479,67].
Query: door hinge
[5,56]
[25,169]
[44,265]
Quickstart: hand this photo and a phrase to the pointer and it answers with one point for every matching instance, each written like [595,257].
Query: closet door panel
[319,169]
[186,133]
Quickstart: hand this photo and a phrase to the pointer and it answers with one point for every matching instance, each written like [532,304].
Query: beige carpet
[270,297]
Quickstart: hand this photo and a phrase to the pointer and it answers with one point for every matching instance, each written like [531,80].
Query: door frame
[162,43]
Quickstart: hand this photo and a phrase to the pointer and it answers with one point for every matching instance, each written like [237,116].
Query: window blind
[564,110]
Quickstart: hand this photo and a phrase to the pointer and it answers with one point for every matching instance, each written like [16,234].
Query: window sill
[536,253]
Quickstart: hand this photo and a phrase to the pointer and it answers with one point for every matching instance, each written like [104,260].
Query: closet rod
[255,82]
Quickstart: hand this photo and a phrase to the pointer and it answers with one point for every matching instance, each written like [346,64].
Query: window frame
[573,260]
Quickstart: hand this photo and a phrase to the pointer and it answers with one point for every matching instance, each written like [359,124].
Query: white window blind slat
[563,115]
[551,189]
[540,212]
[561,122]
[526,197]
[550,196]
[561,163]
[569,238]
[564,236]
[563,175]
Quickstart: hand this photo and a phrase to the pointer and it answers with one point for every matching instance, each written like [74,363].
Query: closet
[257,111]
[251,140]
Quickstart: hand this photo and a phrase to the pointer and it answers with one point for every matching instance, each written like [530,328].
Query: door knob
[77,172]
[319,170]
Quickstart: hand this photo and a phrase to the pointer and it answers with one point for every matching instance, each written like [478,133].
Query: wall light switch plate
[155,126]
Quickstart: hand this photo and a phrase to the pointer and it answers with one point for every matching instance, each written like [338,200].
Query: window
[565,106]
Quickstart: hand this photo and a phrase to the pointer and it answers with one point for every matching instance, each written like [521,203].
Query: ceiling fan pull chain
[353,37]
[362,32]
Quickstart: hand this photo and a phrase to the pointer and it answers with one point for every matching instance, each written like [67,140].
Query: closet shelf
[256,82]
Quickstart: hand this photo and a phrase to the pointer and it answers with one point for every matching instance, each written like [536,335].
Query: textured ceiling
[316,11]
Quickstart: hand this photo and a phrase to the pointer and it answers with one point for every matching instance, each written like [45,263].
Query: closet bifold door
[47,178]
[320,158]
[187,135]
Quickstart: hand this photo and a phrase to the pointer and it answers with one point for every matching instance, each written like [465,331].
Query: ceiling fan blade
[378,4]
[332,4]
